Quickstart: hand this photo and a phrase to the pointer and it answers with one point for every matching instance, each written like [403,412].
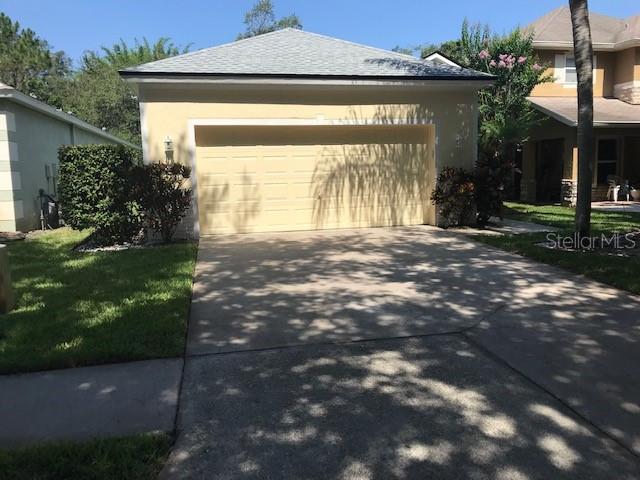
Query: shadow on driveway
[264,291]
[433,407]
[576,338]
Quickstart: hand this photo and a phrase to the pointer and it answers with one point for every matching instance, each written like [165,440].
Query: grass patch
[78,309]
[563,218]
[139,457]
[621,272]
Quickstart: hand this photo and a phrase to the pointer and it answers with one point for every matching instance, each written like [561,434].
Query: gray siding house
[30,134]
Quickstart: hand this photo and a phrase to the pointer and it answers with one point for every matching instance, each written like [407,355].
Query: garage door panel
[275,191]
[313,179]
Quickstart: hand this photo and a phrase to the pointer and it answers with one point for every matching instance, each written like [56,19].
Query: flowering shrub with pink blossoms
[505,115]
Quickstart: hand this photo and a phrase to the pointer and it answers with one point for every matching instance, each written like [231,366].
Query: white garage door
[258,179]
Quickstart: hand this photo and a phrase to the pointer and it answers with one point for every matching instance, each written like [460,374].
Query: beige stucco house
[549,161]
[294,131]
[30,134]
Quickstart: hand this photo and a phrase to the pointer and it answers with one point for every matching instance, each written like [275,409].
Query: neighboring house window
[570,75]
[607,156]
[565,69]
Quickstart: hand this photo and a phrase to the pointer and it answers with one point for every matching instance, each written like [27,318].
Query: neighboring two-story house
[549,158]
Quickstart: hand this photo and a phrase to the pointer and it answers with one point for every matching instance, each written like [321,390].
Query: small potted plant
[635,190]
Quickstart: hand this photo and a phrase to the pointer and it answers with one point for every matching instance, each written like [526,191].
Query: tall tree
[583,53]
[28,64]
[98,94]
[262,19]
[451,48]
[506,116]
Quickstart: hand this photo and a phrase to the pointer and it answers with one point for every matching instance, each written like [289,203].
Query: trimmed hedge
[97,190]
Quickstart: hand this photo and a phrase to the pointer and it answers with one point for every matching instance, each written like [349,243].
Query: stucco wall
[602,86]
[34,139]
[627,82]
[167,110]
[625,63]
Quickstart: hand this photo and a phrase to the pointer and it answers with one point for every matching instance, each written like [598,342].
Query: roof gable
[606,31]
[291,52]
[439,57]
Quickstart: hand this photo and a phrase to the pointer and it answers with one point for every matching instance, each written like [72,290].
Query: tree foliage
[98,94]
[262,19]
[505,115]
[97,190]
[106,188]
[28,64]
[163,196]
[454,196]
[94,92]
[450,48]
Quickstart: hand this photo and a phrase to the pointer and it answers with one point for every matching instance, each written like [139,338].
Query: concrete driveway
[403,353]
[265,291]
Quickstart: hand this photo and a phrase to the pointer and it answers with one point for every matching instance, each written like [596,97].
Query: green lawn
[136,458]
[88,308]
[621,272]
[563,217]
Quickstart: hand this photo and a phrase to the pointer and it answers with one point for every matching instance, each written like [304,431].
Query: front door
[549,170]
[607,156]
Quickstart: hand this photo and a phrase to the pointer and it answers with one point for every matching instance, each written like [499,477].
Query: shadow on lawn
[575,337]
[564,217]
[85,308]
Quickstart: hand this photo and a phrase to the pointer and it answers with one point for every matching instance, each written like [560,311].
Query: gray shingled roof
[606,111]
[606,31]
[292,52]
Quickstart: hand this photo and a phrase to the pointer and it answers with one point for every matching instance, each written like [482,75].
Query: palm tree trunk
[583,52]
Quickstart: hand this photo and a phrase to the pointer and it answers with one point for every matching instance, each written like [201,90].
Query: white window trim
[560,66]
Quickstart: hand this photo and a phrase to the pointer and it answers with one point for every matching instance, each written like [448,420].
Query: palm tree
[583,53]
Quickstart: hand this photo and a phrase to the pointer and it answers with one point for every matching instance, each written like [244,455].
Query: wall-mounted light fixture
[168,149]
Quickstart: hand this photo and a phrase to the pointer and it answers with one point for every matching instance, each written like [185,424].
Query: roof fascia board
[302,122]
[475,83]
[562,45]
[616,124]
[571,123]
[32,103]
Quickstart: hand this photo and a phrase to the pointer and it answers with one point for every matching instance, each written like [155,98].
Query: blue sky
[78,25]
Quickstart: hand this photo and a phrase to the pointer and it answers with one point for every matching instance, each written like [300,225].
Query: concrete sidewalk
[83,403]
[505,226]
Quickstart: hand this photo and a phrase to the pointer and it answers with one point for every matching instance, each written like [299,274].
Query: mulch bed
[11,236]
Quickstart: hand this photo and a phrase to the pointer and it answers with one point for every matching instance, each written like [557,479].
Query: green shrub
[97,190]
[454,196]
[162,196]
